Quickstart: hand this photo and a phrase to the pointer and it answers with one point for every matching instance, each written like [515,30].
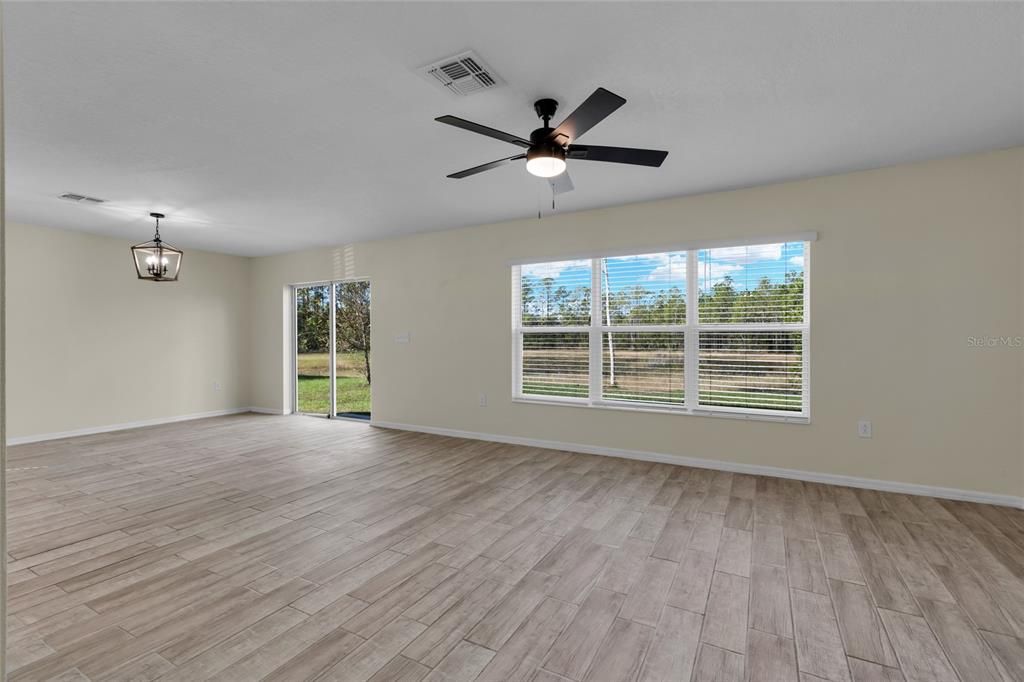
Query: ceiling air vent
[71,196]
[463,74]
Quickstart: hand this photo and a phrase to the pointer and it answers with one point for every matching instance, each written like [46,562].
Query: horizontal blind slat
[647,289]
[643,367]
[556,364]
[752,369]
[756,284]
[555,294]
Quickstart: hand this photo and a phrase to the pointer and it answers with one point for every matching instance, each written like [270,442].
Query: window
[719,330]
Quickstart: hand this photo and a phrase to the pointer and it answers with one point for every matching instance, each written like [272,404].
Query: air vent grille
[71,196]
[463,74]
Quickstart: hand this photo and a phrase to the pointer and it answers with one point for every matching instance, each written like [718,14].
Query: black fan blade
[637,157]
[486,167]
[483,130]
[594,109]
[561,183]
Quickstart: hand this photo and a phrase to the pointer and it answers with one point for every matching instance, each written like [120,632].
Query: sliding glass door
[313,349]
[332,349]
[352,349]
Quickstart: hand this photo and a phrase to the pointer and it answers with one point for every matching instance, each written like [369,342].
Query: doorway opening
[332,349]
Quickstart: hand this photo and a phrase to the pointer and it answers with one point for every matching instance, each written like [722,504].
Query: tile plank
[622,653]
[920,655]
[818,644]
[861,628]
[963,645]
[769,601]
[574,651]
[725,621]
[674,650]
[770,657]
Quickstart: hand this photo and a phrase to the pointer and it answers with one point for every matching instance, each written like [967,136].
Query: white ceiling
[273,127]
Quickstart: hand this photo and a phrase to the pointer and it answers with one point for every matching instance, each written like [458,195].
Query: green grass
[317,364]
[670,397]
[314,383]
[772,401]
[353,394]
[763,401]
[553,389]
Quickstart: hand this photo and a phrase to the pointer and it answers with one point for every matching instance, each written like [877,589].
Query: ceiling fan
[548,148]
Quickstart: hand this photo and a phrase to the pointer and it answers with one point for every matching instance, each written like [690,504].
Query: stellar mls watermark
[995,341]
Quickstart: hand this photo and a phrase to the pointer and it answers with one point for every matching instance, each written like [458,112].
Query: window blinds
[555,294]
[644,367]
[556,364]
[720,330]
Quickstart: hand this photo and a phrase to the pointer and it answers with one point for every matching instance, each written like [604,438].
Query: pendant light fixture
[156,261]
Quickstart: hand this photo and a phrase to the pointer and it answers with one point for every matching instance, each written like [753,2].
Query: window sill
[699,412]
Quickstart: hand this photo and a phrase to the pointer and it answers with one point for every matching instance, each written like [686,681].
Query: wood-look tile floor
[290,548]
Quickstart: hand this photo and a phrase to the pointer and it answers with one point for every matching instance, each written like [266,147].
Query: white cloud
[747,254]
[553,269]
[669,267]
[713,272]
[798,261]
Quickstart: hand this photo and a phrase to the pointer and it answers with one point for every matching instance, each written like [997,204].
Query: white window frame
[691,331]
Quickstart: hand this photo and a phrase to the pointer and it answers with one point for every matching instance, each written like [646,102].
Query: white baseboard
[721,465]
[266,410]
[88,431]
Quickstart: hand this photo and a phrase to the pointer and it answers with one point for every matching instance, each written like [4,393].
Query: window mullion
[595,330]
[332,354]
[517,335]
[690,339]
[805,388]
[806,336]
[517,363]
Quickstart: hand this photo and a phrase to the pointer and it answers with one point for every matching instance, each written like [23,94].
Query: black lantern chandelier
[156,261]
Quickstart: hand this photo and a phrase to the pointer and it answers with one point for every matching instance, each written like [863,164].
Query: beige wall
[911,261]
[85,338]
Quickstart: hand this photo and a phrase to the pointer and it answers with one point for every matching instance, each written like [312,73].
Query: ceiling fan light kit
[548,148]
[545,162]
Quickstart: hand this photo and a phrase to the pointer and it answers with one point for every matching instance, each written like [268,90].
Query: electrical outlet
[483,400]
[864,428]
[402,338]
[216,385]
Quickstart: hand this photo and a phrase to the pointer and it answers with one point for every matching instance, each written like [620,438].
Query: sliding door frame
[332,353]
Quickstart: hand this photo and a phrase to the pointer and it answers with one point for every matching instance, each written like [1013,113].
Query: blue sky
[746,265]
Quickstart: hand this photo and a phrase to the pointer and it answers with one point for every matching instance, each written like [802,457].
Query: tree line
[352,320]
[545,303]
